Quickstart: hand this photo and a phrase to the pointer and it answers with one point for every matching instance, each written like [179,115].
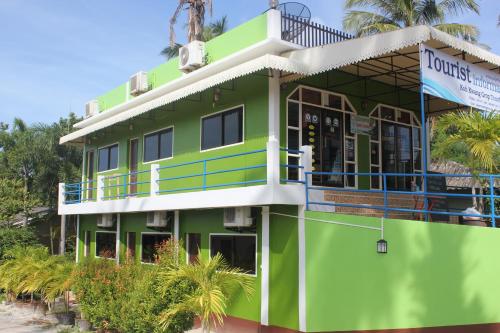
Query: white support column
[176,225]
[306,162]
[155,176]
[264,298]
[118,231]
[273,145]
[100,188]
[273,163]
[62,240]
[77,250]
[61,196]
[274,24]
[302,269]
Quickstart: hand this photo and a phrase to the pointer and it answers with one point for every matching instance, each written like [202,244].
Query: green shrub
[12,237]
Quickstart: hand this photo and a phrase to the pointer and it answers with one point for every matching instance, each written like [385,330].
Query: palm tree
[475,134]
[196,18]
[389,15]
[214,283]
[215,29]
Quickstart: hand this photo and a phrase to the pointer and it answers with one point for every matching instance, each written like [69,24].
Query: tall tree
[389,15]
[196,18]
[211,31]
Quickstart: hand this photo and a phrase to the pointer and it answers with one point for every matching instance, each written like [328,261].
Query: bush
[12,237]
[126,297]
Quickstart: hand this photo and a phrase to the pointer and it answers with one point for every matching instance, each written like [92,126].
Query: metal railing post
[492,201]
[306,182]
[386,199]
[125,185]
[100,188]
[154,187]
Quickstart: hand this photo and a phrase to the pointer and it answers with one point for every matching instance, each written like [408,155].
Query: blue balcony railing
[413,201]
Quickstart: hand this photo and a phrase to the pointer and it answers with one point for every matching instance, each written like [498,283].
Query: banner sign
[457,80]
[361,124]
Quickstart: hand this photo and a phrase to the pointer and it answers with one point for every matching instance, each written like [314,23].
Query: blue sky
[57,54]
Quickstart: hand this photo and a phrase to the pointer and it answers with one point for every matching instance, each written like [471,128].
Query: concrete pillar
[62,241]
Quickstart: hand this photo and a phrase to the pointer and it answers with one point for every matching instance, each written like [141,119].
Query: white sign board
[457,80]
[361,124]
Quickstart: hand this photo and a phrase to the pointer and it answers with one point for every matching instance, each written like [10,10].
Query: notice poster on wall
[361,125]
[458,81]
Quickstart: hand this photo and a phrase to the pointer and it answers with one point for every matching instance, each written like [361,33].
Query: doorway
[133,164]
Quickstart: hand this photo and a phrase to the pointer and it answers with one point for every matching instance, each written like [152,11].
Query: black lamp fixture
[382,246]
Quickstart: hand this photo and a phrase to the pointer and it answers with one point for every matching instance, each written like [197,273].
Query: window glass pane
[295,95]
[130,245]
[233,126]
[375,180]
[404,117]
[150,147]
[387,113]
[350,150]
[194,246]
[293,114]
[417,159]
[113,157]
[348,128]
[311,96]
[347,107]
[103,159]
[335,101]
[416,137]
[374,130]
[105,244]
[150,245]
[166,143]
[293,173]
[238,251]
[293,139]
[211,132]
[351,179]
[374,153]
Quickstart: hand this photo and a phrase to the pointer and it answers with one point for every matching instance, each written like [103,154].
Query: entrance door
[90,175]
[397,155]
[133,162]
[323,130]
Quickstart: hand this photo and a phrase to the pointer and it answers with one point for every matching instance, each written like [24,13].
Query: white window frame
[240,235]
[222,111]
[118,158]
[144,145]
[151,233]
[104,232]
[379,120]
[324,95]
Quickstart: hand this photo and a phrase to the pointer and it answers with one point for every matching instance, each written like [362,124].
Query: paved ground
[15,319]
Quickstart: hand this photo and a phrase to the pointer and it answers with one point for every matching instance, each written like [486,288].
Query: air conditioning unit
[91,108]
[191,56]
[138,83]
[159,219]
[238,217]
[106,220]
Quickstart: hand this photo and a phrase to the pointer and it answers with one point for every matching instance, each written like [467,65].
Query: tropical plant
[389,15]
[214,284]
[14,200]
[13,237]
[211,31]
[472,138]
[196,18]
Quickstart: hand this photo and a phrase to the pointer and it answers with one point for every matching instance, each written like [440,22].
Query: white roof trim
[323,58]
[264,62]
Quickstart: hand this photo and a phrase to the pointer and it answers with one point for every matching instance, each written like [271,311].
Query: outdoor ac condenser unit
[106,220]
[238,217]
[191,56]
[138,83]
[91,108]
[159,219]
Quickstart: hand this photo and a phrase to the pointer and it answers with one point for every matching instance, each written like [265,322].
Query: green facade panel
[433,275]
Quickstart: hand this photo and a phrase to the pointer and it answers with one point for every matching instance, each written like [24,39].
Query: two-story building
[300,154]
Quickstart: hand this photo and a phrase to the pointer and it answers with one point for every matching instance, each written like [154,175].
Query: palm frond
[363,23]
[467,32]
[457,7]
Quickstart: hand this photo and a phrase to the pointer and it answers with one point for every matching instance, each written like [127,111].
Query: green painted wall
[283,270]
[433,275]
[186,120]
[239,38]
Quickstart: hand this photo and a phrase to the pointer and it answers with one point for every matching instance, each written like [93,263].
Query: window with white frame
[158,145]
[395,147]
[108,158]
[322,119]
[238,250]
[151,242]
[105,244]
[222,129]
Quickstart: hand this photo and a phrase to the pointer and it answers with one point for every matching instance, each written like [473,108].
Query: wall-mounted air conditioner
[91,108]
[138,83]
[106,220]
[238,217]
[159,219]
[191,56]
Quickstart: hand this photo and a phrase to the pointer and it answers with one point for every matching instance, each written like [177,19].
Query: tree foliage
[365,17]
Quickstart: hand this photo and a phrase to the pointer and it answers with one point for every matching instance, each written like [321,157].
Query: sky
[55,55]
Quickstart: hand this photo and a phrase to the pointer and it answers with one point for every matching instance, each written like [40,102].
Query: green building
[298,153]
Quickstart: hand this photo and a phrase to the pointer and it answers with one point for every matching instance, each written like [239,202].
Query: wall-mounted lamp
[216,95]
[382,246]
[131,127]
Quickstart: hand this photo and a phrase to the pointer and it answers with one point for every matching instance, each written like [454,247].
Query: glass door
[397,155]
[133,163]
[90,175]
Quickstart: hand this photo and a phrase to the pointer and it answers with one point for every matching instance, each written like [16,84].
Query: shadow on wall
[433,275]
